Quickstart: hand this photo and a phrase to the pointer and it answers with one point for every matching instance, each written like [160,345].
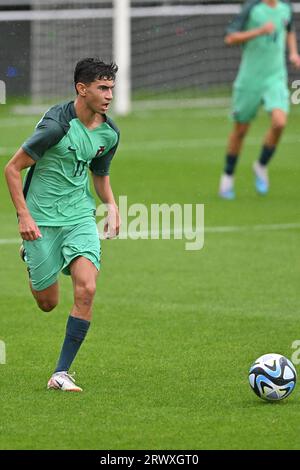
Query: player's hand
[112,223]
[267,28]
[28,229]
[295,60]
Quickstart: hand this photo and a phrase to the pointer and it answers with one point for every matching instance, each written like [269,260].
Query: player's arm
[237,32]
[105,193]
[240,37]
[293,49]
[47,133]
[27,226]
[100,170]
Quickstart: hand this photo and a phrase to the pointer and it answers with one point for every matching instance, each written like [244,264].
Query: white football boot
[226,190]
[63,381]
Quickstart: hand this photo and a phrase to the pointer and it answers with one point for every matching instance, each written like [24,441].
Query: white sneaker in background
[261,178]
[226,190]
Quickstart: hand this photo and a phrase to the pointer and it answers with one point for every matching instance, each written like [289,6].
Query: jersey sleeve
[48,132]
[100,165]
[239,22]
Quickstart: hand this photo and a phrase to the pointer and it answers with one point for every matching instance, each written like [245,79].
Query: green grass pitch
[165,363]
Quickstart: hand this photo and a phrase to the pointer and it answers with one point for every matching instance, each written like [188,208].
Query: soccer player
[56,211]
[263,28]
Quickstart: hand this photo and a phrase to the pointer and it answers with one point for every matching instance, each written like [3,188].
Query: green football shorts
[46,257]
[246,102]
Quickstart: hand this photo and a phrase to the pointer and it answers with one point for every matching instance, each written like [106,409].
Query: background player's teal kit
[57,190]
[262,76]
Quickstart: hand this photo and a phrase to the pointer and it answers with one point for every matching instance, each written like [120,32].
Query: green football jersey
[56,187]
[263,59]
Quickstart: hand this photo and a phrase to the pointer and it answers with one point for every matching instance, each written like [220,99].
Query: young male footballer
[55,209]
[263,27]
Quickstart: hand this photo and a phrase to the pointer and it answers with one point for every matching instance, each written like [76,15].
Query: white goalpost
[122,55]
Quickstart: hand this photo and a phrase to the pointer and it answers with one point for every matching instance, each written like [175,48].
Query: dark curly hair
[90,69]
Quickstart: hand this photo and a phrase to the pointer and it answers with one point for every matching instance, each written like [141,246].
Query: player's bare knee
[46,305]
[279,125]
[85,292]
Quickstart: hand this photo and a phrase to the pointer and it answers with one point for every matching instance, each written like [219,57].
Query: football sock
[75,333]
[230,162]
[266,155]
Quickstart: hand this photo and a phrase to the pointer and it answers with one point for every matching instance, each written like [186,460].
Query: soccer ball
[272,377]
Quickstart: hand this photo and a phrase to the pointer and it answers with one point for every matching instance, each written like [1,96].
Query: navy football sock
[75,333]
[230,163]
[266,155]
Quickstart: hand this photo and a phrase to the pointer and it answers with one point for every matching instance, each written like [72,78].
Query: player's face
[99,95]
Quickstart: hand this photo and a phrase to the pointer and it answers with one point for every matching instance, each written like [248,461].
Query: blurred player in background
[263,27]
[56,212]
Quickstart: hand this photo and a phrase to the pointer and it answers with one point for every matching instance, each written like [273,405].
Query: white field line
[150,146]
[205,107]
[10,241]
[30,118]
[189,232]
[192,231]
[18,121]
[211,103]
[193,143]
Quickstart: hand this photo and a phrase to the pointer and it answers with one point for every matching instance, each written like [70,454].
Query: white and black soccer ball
[272,377]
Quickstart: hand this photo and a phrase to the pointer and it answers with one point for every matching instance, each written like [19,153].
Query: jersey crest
[100,151]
